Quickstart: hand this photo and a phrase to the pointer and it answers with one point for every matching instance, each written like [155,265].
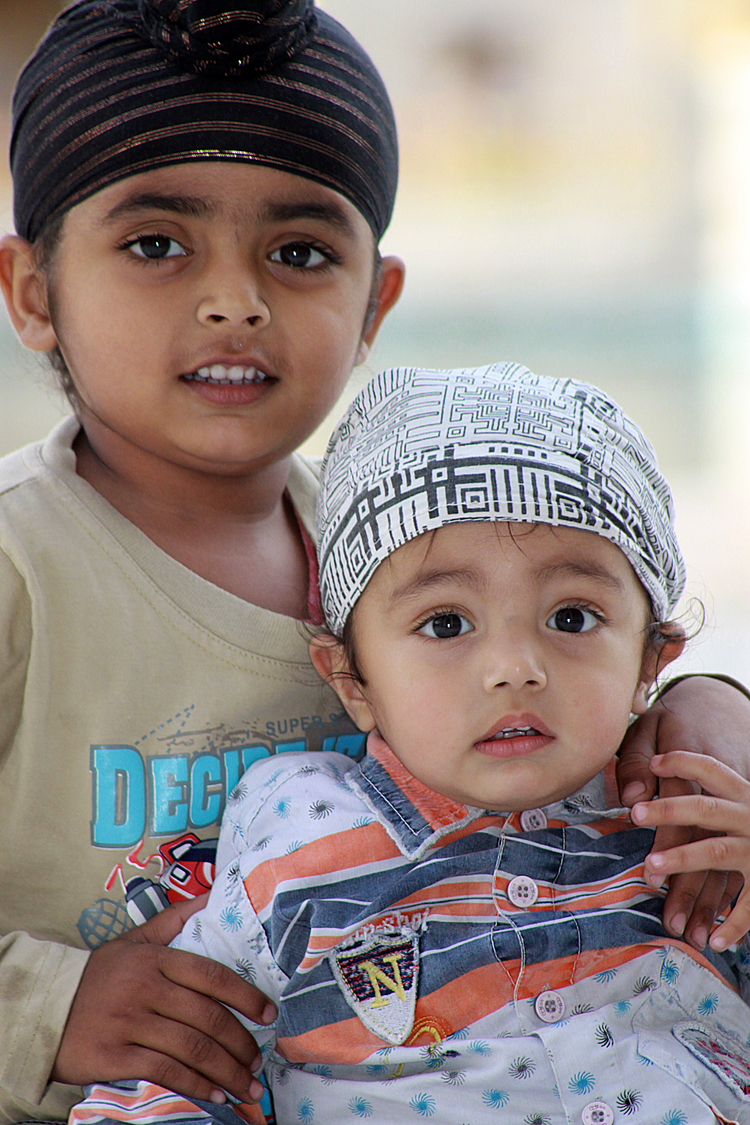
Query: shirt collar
[416,817]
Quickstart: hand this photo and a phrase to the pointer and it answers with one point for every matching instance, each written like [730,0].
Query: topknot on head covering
[207,41]
[420,449]
[119,87]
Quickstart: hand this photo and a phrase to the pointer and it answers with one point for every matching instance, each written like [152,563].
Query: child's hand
[723,807]
[143,1010]
[706,716]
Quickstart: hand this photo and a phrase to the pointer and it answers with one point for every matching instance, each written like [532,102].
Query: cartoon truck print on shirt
[189,869]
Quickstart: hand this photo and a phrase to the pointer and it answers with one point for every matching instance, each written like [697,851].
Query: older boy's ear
[329,661]
[390,282]
[661,651]
[25,294]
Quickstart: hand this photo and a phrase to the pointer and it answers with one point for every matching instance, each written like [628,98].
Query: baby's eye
[155,247]
[299,255]
[573,619]
[445,625]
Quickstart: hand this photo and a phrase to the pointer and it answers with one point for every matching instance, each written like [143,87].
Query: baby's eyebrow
[579,568]
[427,579]
[192,205]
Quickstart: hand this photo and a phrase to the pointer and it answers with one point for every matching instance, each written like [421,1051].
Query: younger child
[467,922]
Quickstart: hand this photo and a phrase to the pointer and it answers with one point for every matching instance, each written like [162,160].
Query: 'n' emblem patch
[378,977]
[719,1052]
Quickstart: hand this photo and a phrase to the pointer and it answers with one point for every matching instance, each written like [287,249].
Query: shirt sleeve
[228,930]
[15,647]
[38,980]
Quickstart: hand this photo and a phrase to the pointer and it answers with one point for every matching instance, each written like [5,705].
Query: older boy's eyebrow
[326,211]
[191,205]
[582,569]
[427,579]
[196,207]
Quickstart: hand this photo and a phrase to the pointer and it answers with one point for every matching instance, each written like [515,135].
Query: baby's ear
[330,662]
[665,646]
[25,292]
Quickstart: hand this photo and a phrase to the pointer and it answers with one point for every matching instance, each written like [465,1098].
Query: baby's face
[501,662]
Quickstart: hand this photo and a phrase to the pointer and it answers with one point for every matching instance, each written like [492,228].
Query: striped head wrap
[420,449]
[119,87]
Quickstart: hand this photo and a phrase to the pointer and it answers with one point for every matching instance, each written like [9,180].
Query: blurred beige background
[575,195]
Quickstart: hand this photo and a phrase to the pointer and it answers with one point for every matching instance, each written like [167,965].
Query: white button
[549,1006]
[532,819]
[597,1113]
[523,891]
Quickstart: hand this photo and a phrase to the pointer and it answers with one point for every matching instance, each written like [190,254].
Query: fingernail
[269,1013]
[718,943]
[638,812]
[218,1097]
[678,923]
[656,859]
[633,791]
[700,936]
[256,1090]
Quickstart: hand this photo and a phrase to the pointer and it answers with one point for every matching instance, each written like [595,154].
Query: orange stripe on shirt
[319,857]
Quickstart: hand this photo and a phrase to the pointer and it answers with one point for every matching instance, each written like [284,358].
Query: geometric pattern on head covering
[119,87]
[418,449]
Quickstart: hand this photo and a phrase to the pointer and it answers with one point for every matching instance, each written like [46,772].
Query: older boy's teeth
[218,373]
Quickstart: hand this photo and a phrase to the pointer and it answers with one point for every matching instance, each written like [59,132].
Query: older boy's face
[501,661]
[210,313]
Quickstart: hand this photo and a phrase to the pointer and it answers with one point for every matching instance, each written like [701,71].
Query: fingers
[709,774]
[697,899]
[683,893]
[736,925]
[699,811]
[635,780]
[212,979]
[179,1052]
[168,1071]
[702,844]
[715,853]
[137,997]
[165,926]
[669,831]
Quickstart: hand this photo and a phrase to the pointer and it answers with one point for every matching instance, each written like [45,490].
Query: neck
[234,529]
[141,484]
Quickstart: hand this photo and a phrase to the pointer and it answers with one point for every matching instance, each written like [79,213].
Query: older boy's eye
[573,619]
[299,255]
[446,625]
[156,247]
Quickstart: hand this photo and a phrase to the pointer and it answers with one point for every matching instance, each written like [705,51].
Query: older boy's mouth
[218,374]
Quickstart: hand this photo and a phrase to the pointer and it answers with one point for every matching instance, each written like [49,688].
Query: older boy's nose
[232,298]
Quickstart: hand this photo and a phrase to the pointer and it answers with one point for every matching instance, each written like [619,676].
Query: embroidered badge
[718,1052]
[378,977]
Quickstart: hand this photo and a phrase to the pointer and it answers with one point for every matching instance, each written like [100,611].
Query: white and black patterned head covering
[419,449]
[118,87]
